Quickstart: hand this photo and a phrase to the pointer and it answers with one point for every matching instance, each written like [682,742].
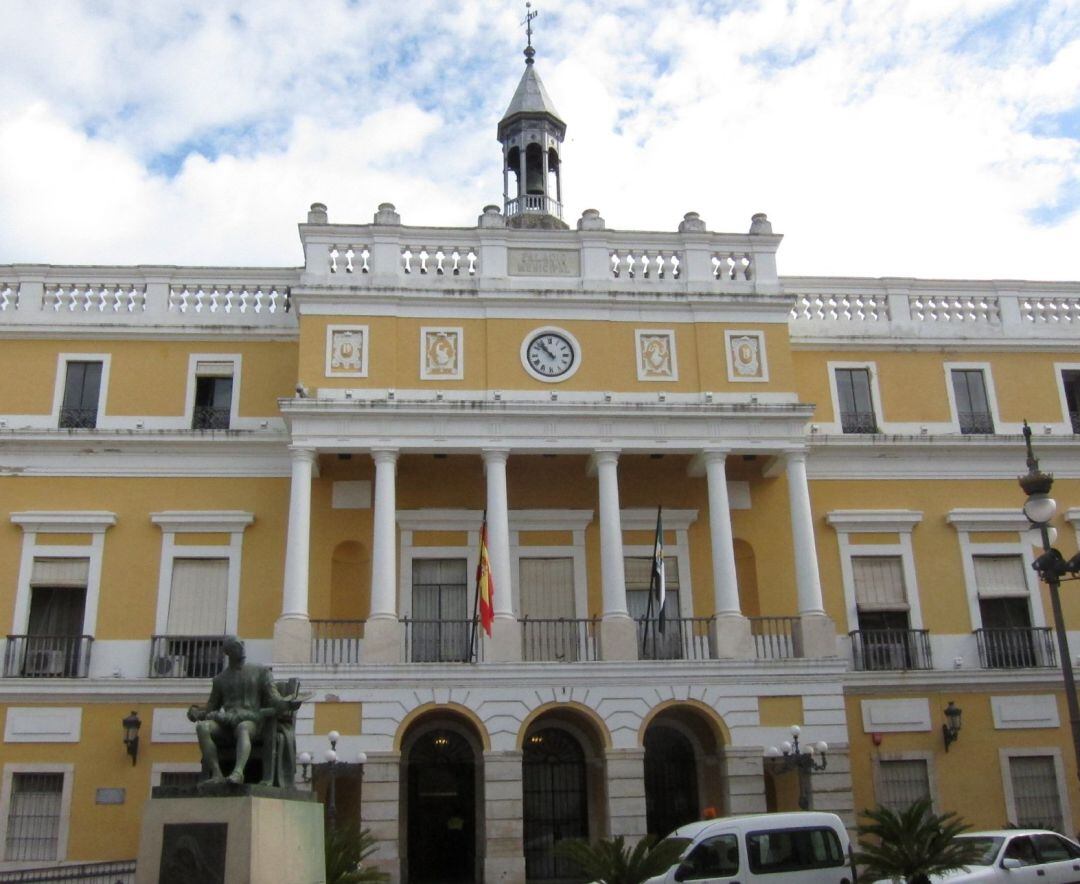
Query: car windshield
[675,839]
[988,847]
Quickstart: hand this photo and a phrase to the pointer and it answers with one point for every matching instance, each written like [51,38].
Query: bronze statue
[247,714]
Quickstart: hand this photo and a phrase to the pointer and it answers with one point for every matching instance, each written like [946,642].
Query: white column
[807,581]
[383,557]
[498,524]
[725,579]
[294,602]
[612,575]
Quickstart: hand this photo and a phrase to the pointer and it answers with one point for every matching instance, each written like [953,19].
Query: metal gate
[671,787]
[556,807]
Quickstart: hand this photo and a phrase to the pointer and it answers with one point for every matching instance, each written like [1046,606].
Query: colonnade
[731,631]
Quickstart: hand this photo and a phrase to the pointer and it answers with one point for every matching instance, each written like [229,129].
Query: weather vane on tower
[529,16]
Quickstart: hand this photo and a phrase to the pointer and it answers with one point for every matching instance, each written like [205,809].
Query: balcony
[858,422]
[443,641]
[186,656]
[560,640]
[975,422]
[209,417]
[78,418]
[47,656]
[773,637]
[890,649]
[336,642]
[683,638]
[1018,647]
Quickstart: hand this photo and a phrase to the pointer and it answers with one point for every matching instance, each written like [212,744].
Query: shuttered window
[547,588]
[72,573]
[33,825]
[902,782]
[1035,792]
[197,600]
[998,576]
[879,583]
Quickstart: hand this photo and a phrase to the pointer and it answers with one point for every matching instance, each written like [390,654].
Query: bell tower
[531,134]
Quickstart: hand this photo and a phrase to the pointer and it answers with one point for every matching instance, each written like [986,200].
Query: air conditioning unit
[44,663]
[172,665]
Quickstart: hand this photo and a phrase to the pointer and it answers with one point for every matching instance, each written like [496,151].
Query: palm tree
[347,846]
[611,862]
[913,844]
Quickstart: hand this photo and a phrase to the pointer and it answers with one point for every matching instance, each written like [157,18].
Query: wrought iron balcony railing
[560,640]
[973,422]
[186,656]
[336,641]
[884,649]
[209,417]
[683,638]
[858,422]
[78,418]
[47,656]
[1018,647]
[443,641]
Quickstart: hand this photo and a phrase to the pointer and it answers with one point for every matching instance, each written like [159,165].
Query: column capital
[495,455]
[601,457]
[795,455]
[385,455]
[302,453]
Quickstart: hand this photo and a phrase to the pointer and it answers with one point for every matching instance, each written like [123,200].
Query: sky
[924,138]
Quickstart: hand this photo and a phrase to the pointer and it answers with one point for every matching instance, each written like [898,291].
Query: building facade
[305,457]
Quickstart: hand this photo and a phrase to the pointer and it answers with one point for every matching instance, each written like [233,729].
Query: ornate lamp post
[1051,567]
[808,760]
[330,756]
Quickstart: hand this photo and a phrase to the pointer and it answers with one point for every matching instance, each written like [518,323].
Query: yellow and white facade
[304,457]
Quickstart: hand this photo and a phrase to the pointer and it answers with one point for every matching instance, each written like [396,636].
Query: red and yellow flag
[485,585]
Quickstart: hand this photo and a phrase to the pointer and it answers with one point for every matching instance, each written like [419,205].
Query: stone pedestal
[292,640]
[730,638]
[814,636]
[618,639]
[242,838]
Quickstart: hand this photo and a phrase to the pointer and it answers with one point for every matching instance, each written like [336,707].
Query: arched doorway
[556,806]
[441,811]
[671,780]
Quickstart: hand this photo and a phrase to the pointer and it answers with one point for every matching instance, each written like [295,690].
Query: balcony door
[195,629]
[57,609]
[547,599]
[440,610]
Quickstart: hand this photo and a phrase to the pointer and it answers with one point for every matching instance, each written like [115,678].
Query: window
[638,572]
[180,779]
[793,849]
[1070,381]
[884,640]
[196,626]
[34,820]
[1036,801]
[713,857]
[440,625]
[1007,639]
[902,782]
[82,391]
[854,399]
[547,607]
[972,403]
[213,396]
[54,645]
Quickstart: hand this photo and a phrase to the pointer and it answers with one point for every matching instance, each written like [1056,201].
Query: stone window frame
[92,522]
[677,520]
[907,755]
[63,830]
[174,522]
[192,376]
[991,393]
[1000,521]
[459,374]
[62,360]
[575,521]
[1059,383]
[453,521]
[1005,753]
[899,522]
[837,425]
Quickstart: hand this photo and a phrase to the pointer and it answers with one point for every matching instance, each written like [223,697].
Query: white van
[768,848]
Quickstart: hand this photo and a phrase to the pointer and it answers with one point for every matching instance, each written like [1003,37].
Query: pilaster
[504,847]
[744,772]
[380,798]
[626,793]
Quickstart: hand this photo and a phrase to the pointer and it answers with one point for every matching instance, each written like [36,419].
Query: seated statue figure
[245,709]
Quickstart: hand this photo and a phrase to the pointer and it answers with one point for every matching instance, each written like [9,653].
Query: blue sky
[883,137]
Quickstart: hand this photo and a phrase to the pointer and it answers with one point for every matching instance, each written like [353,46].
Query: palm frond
[612,862]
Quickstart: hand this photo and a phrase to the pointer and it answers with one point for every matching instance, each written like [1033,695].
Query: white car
[1013,856]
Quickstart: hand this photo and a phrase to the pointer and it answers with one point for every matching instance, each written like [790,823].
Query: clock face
[550,355]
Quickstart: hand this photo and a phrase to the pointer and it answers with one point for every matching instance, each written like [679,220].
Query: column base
[814,636]
[730,638]
[504,646]
[292,640]
[618,639]
[384,640]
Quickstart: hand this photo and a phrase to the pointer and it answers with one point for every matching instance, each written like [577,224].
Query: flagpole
[476,593]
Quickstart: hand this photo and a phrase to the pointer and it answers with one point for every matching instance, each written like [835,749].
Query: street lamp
[1051,567]
[330,756]
[790,756]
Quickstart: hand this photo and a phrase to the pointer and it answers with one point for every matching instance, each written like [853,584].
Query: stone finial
[492,217]
[760,224]
[590,220]
[691,223]
[387,215]
[317,214]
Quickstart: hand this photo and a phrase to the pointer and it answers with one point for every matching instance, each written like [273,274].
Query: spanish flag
[485,585]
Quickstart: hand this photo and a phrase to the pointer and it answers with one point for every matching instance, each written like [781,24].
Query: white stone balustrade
[9,297]
[350,259]
[732,266]
[955,308]
[645,264]
[95,298]
[858,307]
[439,261]
[1050,310]
[218,299]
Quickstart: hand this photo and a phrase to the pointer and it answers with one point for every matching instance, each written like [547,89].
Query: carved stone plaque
[543,262]
[193,852]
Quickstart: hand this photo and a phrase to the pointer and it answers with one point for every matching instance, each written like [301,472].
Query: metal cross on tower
[529,16]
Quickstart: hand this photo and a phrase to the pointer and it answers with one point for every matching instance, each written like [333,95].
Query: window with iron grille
[1036,799]
[972,403]
[33,824]
[902,782]
[82,390]
[213,396]
[1070,380]
[855,401]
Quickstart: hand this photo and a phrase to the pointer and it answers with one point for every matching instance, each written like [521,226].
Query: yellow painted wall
[969,776]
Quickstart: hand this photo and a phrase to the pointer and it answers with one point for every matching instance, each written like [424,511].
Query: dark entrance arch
[554,786]
[441,783]
[671,780]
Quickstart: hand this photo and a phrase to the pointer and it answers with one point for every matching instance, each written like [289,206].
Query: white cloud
[878,140]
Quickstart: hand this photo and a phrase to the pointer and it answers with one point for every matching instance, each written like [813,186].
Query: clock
[550,354]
